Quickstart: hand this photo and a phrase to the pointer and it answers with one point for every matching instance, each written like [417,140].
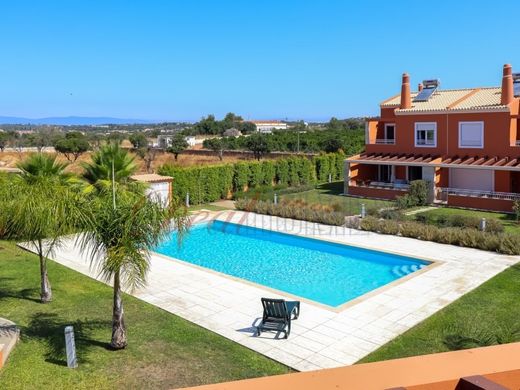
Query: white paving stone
[322,337]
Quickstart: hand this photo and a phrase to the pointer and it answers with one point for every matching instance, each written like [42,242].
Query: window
[414,173]
[426,134]
[384,173]
[471,134]
[390,131]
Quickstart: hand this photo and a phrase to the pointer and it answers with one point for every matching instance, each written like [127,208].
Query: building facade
[269,126]
[464,142]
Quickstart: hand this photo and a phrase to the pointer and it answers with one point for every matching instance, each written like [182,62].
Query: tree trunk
[221,155]
[45,285]
[118,322]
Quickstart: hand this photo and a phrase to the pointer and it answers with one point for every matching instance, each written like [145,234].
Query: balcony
[480,194]
[377,189]
[476,199]
[385,141]
[397,185]
[517,142]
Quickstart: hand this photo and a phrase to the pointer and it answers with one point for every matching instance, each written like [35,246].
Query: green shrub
[404,202]
[498,242]
[516,209]
[241,176]
[389,227]
[269,172]
[393,214]
[294,171]
[419,192]
[340,161]
[329,164]
[322,165]
[372,211]
[293,209]
[370,224]
[510,244]
[417,195]
[282,172]
[256,174]
[493,225]
[307,172]
[490,242]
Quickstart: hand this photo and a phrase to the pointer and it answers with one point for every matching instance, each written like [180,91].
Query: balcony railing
[425,142]
[480,194]
[517,142]
[379,184]
[384,141]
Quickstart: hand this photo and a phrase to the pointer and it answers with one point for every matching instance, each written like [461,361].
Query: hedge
[211,183]
[329,164]
[505,243]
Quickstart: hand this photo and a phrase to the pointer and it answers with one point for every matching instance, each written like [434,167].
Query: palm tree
[110,162]
[40,165]
[118,237]
[38,207]
[39,212]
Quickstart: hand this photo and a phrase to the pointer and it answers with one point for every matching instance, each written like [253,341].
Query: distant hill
[70,120]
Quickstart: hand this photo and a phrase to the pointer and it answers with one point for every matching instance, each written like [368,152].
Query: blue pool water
[322,271]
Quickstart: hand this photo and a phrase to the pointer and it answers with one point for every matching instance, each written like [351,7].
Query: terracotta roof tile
[452,100]
[151,178]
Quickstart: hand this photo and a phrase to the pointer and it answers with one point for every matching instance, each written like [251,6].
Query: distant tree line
[308,141]
[209,125]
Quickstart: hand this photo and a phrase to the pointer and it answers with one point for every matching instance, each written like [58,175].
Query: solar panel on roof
[424,95]
[516,88]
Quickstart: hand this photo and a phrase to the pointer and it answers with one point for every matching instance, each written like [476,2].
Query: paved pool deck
[322,337]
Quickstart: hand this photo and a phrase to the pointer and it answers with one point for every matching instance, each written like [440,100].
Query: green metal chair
[277,316]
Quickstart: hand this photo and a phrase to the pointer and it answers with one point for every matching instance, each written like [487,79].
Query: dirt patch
[10,159]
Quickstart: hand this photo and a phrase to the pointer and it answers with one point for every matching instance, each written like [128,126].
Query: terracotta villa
[464,142]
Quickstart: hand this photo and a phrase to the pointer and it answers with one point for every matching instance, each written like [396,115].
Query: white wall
[159,191]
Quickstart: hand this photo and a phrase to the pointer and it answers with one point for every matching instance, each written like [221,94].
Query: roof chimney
[406,100]
[507,85]
[420,87]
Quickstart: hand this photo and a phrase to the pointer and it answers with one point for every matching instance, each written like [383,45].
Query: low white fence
[480,193]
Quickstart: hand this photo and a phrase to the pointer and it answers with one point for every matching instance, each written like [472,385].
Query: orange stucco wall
[500,133]
[443,177]
[363,172]
[502,181]
[379,193]
[400,172]
[481,203]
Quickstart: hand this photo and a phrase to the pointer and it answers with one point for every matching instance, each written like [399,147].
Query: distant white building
[165,141]
[269,126]
[232,132]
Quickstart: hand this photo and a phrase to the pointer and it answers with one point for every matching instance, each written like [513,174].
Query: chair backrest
[275,308]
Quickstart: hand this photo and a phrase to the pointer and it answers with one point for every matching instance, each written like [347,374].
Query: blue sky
[179,60]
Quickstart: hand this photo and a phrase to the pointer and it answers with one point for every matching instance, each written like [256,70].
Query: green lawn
[508,220]
[487,315]
[164,350]
[329,194]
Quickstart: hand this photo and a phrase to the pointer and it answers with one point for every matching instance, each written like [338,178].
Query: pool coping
[336,309]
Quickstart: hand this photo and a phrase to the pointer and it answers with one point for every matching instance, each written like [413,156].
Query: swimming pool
[322,271]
